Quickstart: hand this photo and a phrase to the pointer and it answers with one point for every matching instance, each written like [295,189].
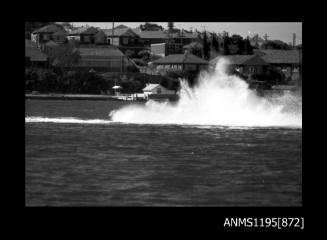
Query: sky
[275,30]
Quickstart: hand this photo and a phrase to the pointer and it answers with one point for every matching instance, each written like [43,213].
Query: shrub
[139,62]
[145,54]
[129,53]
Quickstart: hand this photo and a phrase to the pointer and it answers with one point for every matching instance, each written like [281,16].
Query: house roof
[257,38]
[180,58]
[102,52]
[120,32]
[52,28]
[35,54]
[60,32]
[251,60]
[151,87]
[192,45]
[29,43]
[184,35]
[121,26]
[78,30]
[153,34]
[100,36]
[163,34]
[52,44]
[90,30]
[282,56]
[84,30]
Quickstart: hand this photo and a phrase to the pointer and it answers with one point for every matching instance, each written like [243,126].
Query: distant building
[105,59]
[122,37]
[87,36]
[54,32]
[287,61]
[181,62]
[256,41]
[158,92]
[50,47]
[244,64]
[194,46]
[151,27]
[154,37]
[34,57]
[164,49]
[125,39]
[152,88]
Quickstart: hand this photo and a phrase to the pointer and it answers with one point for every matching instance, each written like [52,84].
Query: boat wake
[66,120]
[218,99]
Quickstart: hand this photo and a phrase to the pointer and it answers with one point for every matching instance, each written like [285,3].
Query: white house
[156,89]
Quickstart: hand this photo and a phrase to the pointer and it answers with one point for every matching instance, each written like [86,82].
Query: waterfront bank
[77,97]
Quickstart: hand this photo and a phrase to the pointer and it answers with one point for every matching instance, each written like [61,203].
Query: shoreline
[74,97]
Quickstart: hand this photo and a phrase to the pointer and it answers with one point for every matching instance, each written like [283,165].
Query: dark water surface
[70,164]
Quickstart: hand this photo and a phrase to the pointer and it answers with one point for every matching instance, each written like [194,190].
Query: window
[87,39]
[251,69]
[159,90]
[284,69]
[125,40]
[190,67]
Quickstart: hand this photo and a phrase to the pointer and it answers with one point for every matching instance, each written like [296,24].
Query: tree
[214,42]
[32,26]
[195,48]
[145,54]
[248,48]
[67,26]
[275,44]
[206,46]
[129,53]
[226,43]
[65,56]
[151,27]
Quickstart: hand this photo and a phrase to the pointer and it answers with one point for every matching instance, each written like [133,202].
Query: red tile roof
[78,30]
[52,44]
[150,87]
[250,60]
[52,28]
[84,30]
[153,34]
[164,34]
[102,52]
[192,45]
[90,30]
[180,58]
[35,54]
[120,31]
[29,43]
[60,32]
[282,56]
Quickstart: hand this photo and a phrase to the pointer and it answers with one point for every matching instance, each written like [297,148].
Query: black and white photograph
[163,114]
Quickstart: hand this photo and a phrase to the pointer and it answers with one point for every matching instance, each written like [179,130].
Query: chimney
[294,40]
[170,26]
[186,53]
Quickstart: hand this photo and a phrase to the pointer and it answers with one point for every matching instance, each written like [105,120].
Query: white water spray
[218,99]
[66,120]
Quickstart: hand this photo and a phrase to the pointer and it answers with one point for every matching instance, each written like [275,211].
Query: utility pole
[112,37]
[294,40]
[300,67]
[266,37]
